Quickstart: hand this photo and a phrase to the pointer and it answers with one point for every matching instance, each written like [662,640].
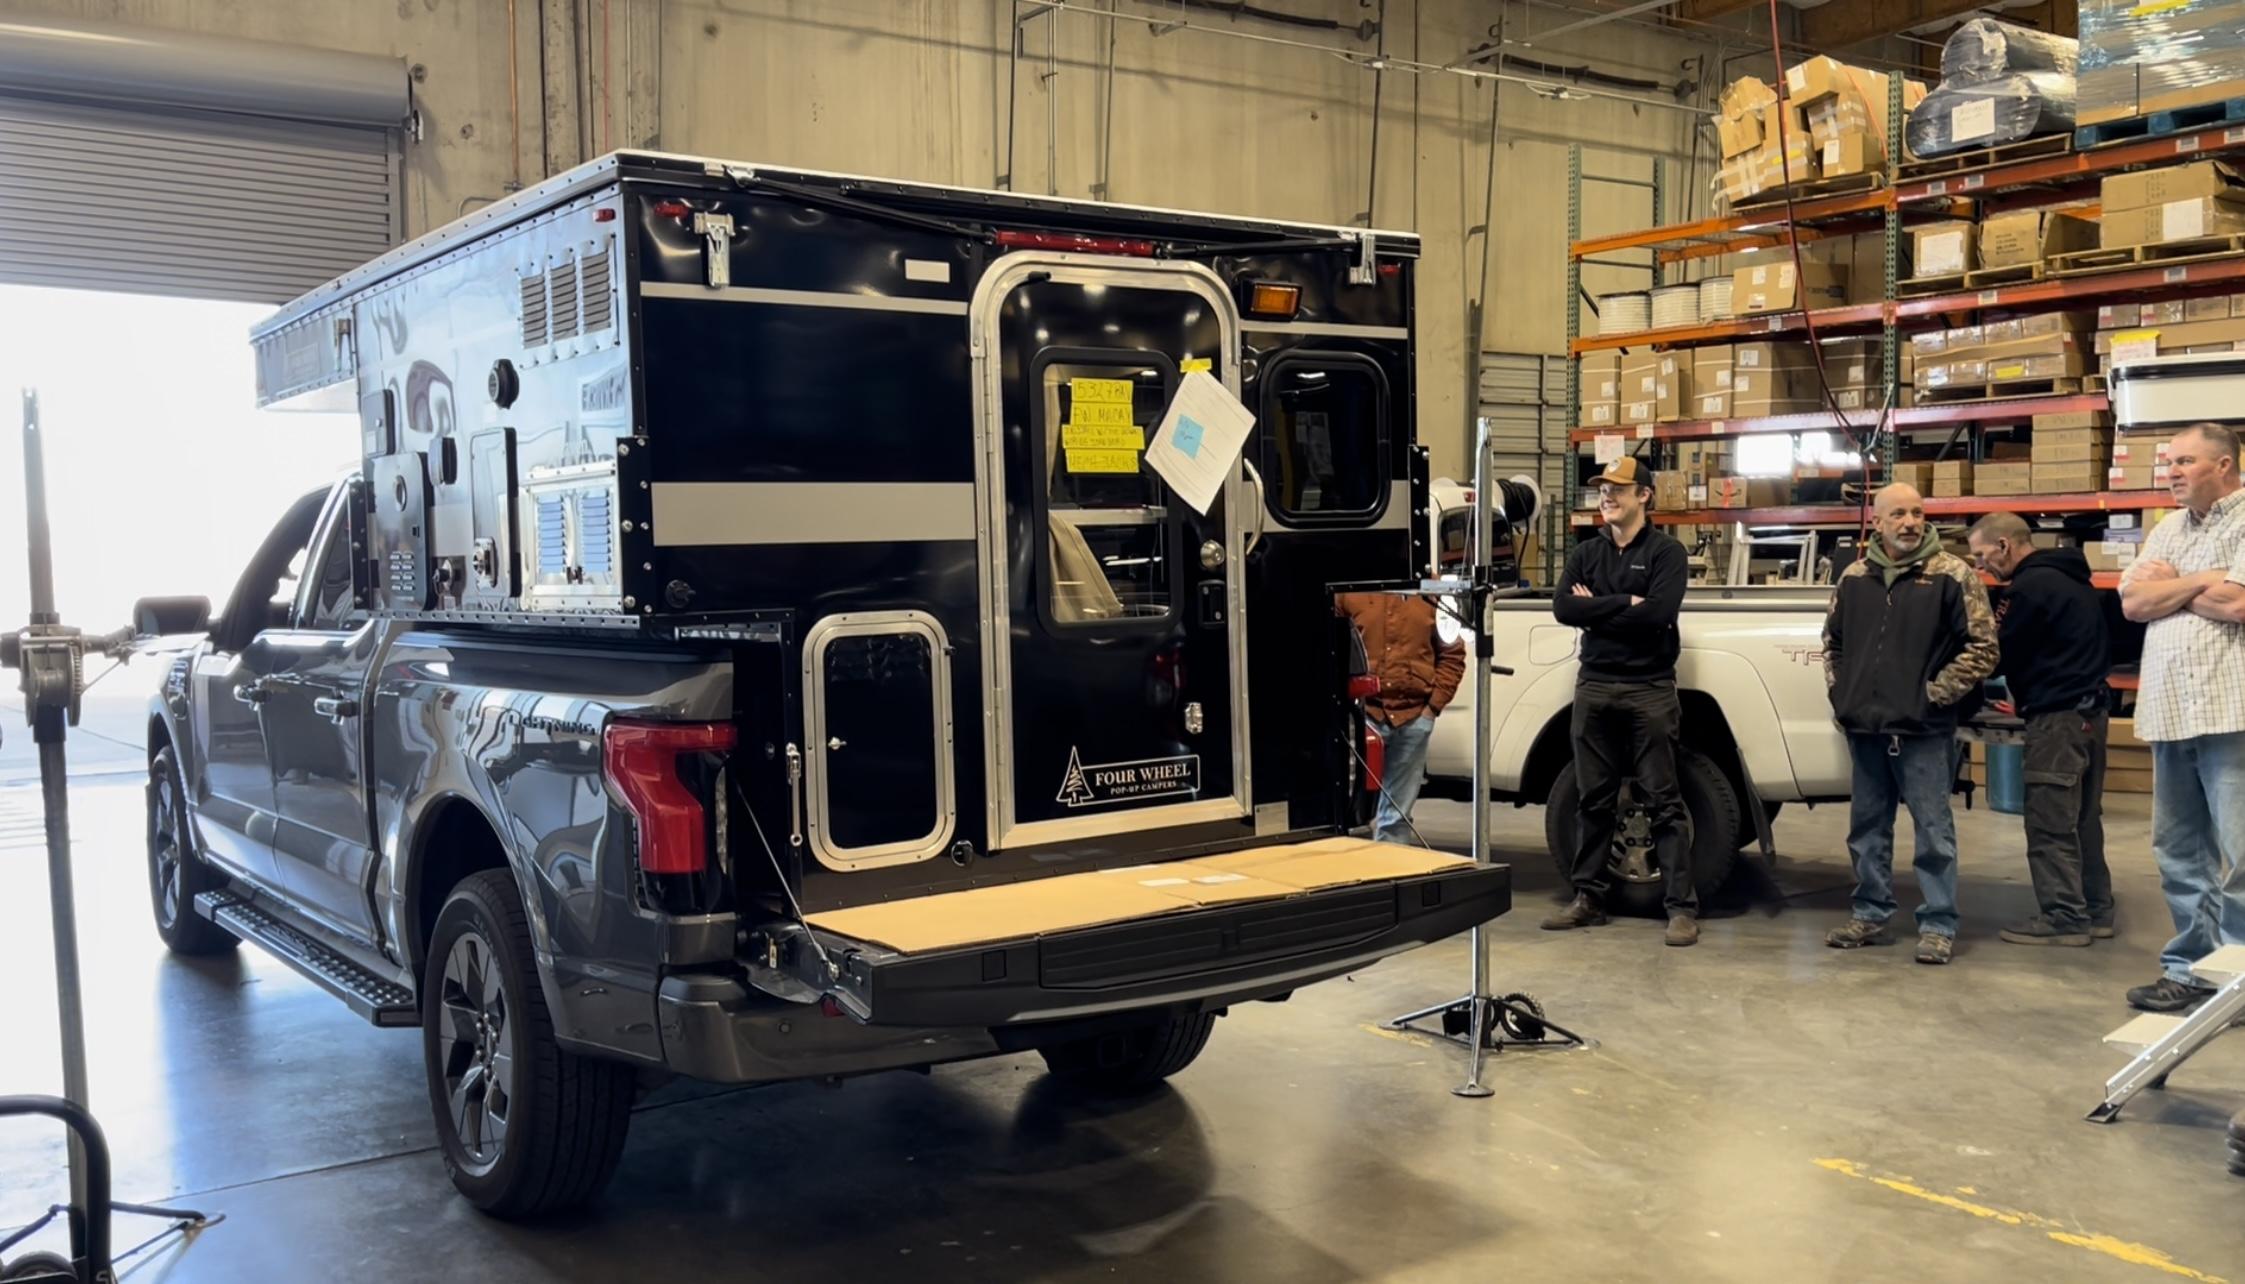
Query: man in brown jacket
[1418,675]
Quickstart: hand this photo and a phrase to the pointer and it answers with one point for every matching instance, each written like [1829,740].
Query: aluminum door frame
[990,532]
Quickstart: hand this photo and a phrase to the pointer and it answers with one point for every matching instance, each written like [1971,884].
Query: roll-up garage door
[253,171]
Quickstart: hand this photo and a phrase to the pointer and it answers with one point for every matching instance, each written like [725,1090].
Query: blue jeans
[1917,772]
[1401,776]
[2198,838]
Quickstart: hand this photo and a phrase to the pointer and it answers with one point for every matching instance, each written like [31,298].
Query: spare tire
[1708,802]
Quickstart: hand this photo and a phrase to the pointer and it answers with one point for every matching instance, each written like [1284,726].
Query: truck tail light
[641,760]
[1375,758]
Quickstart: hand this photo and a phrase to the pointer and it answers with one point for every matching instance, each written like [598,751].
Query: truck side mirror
[156,617]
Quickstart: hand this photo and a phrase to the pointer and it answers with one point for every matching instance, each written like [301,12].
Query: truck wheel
[1130,1060]
[1714,815]
[176,875]
[526,1127]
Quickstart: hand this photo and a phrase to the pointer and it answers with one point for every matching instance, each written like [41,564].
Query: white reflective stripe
[811,512]
[803,298]
[1333,328]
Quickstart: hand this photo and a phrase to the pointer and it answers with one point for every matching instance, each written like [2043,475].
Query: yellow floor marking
[2119,1249]
[1416,1041]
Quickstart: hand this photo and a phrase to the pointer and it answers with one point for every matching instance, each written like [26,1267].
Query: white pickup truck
[1756,723]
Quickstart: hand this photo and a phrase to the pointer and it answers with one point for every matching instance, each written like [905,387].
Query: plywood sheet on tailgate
[1096,898]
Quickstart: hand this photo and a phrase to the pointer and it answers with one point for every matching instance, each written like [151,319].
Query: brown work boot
[1583,911]
[1855,934]
[1683,929]
[1935,948]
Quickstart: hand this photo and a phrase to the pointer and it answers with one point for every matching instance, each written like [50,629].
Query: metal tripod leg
[2160,1057]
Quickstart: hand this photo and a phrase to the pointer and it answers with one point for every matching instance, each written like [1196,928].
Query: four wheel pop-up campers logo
[1116,782]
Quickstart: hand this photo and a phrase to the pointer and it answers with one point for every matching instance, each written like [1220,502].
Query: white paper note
[1199,440]
[1974,119]
[1607,447]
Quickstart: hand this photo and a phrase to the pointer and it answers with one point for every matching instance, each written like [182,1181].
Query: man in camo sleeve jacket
[1907,641]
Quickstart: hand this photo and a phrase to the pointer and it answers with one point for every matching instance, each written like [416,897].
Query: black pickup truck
[762,642]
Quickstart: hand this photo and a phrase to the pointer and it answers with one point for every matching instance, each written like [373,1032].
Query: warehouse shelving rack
[2048,179]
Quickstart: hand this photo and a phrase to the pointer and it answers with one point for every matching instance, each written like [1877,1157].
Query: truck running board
[379,1001]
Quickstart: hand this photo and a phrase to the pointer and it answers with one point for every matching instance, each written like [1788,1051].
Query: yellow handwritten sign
[1102,436]
[1103,390]
[1102,461]
[1110,414]
[1190,364]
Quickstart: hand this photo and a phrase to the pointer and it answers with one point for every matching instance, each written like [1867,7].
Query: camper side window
[1109,542]
[1325,438]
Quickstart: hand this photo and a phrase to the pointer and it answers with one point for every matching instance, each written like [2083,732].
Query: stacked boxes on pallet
[1833,125]
[2071,452]
[2138,58]
[2134,331]
[2179,203]
[2046,346]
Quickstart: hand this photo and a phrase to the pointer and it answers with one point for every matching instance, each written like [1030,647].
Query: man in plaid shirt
[2188,585]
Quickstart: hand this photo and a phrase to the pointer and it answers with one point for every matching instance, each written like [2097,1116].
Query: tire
[1708,802]
[40,1266]
[176,875]
[1130,1060]
[1746,835]
[488,1043]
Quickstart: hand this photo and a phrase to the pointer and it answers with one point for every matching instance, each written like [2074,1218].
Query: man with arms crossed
[2189,590]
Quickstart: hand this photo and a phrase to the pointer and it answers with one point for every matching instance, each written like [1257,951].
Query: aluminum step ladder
[2163,1041]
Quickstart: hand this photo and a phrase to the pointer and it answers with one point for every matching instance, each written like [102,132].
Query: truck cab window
[324,598]
[1109,542]
[1324,442]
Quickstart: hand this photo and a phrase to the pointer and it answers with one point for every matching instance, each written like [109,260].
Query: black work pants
[1626,731]
[2065,770]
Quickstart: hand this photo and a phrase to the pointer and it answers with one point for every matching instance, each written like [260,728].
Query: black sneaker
[1582,911]
[2102,928]
[2168,995]
[2039,930]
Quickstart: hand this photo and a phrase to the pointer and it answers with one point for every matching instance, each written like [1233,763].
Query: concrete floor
[1757,1108]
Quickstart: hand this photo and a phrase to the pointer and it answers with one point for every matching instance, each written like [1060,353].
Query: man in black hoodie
[2051,630]
[1622,588]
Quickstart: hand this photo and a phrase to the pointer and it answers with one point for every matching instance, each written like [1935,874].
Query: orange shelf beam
[1968,506]
[1955,412]
[2069,167]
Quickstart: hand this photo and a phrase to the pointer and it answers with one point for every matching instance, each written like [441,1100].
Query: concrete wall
[919,89]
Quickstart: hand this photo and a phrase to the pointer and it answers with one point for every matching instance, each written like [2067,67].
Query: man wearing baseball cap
[1622,588]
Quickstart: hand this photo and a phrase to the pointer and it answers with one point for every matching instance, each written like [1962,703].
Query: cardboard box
[1712,405]
[2030,236]
[2073,421]
[1770,287]
[2145,187]
[2067,479]
[1850,153]
[1711,369]
[2179,220]
[1814,78]
[2003,479]
[2142,450]
[1755,405]
[1779,354]
[2183,83]
[1738,135]
[2120,316]
[2073,452]
[2136,477]
[1918,477]
[1640,412]
[1669,493]
[2065,365]
[1672,393]
[1640,375]
[1601,414]
[1943,249]
[2214,309]
[2049,437]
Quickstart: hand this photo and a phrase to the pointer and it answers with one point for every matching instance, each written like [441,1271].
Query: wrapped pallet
[2139,58]
[2000,83]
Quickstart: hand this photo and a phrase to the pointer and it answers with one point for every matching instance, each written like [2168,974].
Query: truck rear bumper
[972,998]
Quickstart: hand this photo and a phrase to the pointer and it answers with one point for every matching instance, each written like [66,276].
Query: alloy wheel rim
[163,847]
[473,1041]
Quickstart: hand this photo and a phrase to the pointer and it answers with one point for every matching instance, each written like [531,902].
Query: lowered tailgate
[1208,932]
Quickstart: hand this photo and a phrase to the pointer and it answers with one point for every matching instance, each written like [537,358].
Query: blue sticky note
[1187,437]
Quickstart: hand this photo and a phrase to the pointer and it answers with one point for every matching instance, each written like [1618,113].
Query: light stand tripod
[51,659]
[1480,1019]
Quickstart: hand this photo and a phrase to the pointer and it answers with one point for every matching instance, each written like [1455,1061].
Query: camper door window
[1109,525]
[1324,449]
